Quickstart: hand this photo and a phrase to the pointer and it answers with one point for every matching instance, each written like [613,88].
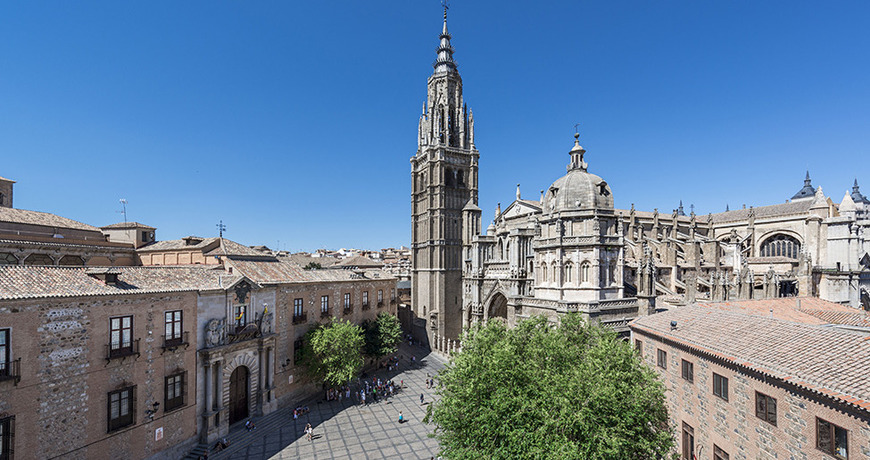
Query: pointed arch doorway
[239,381]
[498,306]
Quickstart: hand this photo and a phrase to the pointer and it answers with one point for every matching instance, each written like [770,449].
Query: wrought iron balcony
[325,314]
[299,319]
[380,304]
[174,342]
[116,352]
[366,306]
[348,310]
[11,371]
[239,332]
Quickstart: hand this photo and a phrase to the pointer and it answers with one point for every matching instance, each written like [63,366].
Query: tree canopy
[333,352]
[571,391]
[382,335]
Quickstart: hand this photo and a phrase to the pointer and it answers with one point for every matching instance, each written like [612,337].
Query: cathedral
[571,250]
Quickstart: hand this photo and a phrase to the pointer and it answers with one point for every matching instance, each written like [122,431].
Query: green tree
[333,352]
[382,335]
[572,391]
[312,266]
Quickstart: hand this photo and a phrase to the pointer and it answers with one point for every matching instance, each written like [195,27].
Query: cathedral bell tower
[443,182]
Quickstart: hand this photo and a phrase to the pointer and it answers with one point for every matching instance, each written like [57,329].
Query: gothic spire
[857,197]
[444,62]
[807,191]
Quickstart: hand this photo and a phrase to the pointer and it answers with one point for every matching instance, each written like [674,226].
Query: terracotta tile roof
[23,216]
[854,318]
[231,248]
[775,210]
[125,225]
[284,271]
[187,243]
[785,308]
[359,261]
[822,359]
[17,282]
[303,260]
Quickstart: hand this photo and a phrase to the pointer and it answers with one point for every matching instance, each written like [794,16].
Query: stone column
[206,412]
[219,370]
[260,381]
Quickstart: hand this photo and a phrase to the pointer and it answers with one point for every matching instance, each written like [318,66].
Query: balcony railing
[299,319]
[348,310]
[122,352]
[239,332]
[380,303]
[11,371]
[324,314]
[366,306]
[174,342]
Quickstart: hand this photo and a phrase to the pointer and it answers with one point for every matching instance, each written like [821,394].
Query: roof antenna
[124,208]
[221,227]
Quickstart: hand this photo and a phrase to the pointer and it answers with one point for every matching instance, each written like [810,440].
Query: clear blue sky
[295,121]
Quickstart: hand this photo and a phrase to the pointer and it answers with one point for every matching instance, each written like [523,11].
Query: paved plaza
[347,430]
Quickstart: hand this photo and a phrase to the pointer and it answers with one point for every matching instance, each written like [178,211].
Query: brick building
[779,378]
[147,362]
[95,363]
[40,238]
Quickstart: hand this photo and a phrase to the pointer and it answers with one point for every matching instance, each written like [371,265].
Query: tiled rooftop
[21,282]
[285,271]
[822,359]
[124,225]
[23,216]
[785,308]
[774,210]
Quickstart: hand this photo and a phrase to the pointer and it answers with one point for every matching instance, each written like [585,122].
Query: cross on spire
[221,227]
[445,4]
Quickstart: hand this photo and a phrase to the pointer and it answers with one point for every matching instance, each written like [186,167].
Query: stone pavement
[346,430]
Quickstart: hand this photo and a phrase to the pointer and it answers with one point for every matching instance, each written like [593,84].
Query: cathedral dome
[578,189]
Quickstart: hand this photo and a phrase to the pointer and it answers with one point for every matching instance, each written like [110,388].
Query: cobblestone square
[348,430]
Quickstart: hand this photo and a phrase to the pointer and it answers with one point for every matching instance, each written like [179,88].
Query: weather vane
[576,128]
[221,227]
[445,4]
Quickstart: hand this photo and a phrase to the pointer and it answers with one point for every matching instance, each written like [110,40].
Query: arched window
[569,275]
[544,273]
[71,260]
[585,269]
[38,259]
[781,246]
[8,259]
[555,278]
[611,273]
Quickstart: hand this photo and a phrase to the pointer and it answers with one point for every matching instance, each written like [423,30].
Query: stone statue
[215,333]
[267,323]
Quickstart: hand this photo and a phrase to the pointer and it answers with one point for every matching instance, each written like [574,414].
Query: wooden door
[239,394]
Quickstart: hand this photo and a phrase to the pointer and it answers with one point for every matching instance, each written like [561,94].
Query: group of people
[377,389]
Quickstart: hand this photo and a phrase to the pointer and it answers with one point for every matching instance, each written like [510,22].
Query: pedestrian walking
[309,431]
[421,398]
[401,418]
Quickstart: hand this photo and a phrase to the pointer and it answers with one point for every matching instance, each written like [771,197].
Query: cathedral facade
[572,250]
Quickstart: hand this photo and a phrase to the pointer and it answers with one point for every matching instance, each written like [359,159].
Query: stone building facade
[444,181]
[572,250]
[763,378]
[96,364]
[147,362]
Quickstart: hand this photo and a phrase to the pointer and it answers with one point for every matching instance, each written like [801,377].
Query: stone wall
[66,377]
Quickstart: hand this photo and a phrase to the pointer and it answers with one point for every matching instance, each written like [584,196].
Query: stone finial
[518,192]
